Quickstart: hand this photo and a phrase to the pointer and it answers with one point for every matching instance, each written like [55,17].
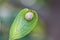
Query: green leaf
[21,26]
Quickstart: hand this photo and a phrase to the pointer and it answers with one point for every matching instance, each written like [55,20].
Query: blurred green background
[10,8]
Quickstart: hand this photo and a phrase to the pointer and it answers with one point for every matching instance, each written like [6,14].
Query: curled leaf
[21,26]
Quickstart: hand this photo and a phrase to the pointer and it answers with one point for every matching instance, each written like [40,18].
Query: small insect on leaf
[23,24]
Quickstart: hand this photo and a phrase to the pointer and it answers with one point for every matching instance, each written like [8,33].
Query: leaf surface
[21,27]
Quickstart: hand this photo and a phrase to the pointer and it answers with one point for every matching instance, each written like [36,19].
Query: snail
[29,16]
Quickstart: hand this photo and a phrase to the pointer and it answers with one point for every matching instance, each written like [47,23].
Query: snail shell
[29,16]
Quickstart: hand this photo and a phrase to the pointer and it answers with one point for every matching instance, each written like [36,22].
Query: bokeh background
[48,11]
